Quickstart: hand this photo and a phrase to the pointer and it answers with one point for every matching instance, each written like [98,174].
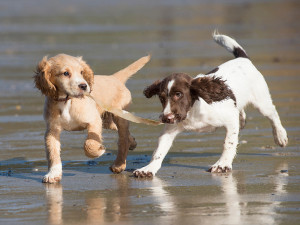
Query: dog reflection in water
[110,207]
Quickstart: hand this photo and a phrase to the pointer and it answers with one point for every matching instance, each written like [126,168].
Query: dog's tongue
[171,116]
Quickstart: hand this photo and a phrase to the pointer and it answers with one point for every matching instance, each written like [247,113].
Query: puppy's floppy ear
[87,72]
[153,89]
[210,89]
[42,78]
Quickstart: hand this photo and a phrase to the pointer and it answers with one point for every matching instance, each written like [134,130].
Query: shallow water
[264,187]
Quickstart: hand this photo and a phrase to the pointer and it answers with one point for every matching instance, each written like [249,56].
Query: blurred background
[178,34]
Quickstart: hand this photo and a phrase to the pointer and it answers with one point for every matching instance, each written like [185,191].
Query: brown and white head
[178,93]
[174,95]
[63,75]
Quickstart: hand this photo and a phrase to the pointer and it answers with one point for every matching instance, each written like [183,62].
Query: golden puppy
[65,80]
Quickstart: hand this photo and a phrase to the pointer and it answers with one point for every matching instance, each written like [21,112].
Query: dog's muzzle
[82,87]
[169,118]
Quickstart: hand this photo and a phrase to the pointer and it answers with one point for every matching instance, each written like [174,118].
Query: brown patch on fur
[238,52]
[42,79]
[211,89]
[153,89]
[179,105]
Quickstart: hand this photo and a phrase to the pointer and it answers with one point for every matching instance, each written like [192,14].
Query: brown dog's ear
[153,89]
[87,72]
[210,89]
[42,79]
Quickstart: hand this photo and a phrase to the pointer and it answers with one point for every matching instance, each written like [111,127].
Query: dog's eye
[81,72]
[161,99]
[66,73]
[178,94]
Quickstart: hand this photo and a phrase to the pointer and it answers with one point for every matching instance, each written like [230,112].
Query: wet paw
[148,171]
[117,169]
[280,137]
[142,174]
[219,169]
[51,179]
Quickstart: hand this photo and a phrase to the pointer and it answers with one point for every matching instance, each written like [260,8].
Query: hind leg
[132,142]
[123,145]
[265,106]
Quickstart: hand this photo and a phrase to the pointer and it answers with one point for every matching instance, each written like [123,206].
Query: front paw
[118,168]
[220,168]
[147,171]
[51,178]
[93,149]
[142,174]
[54,175]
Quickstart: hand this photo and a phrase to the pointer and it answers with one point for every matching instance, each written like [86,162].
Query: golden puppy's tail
[124,74]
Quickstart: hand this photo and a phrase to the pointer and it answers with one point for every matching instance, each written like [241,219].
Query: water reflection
[54,195]
[115,205]
[281,179]
[162,198]
[130,199]
[231,197]
[239,208]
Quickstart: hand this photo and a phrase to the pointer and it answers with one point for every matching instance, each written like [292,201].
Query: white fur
[170,84]
[226,42]
[54,172]
[65,109]
[249,87]
[167,109]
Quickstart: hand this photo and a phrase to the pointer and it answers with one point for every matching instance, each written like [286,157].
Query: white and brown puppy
[65,80]
[206,102]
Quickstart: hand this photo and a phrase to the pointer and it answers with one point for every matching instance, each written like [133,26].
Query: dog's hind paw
[118,169]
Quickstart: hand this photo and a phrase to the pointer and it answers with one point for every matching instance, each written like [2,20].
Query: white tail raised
[230,44]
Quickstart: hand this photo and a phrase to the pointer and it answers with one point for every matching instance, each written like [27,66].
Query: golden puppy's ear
[42,79]
[87,72]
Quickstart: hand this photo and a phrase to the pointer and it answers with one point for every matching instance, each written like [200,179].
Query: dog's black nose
[82,87]
[170,118]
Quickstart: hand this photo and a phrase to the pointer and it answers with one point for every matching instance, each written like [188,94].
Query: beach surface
[264,187]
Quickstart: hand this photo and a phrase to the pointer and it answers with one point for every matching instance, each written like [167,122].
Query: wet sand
[264,187]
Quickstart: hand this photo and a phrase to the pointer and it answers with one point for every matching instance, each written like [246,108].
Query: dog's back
[240,74]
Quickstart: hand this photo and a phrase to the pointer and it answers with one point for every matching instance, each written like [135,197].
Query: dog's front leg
[52,144]
[164,144]
[224,164]
[93,147]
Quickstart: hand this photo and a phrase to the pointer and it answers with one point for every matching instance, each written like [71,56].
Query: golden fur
[65,80]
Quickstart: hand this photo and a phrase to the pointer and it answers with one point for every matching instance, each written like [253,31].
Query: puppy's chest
[68,117]
[199,120]
[198,125]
